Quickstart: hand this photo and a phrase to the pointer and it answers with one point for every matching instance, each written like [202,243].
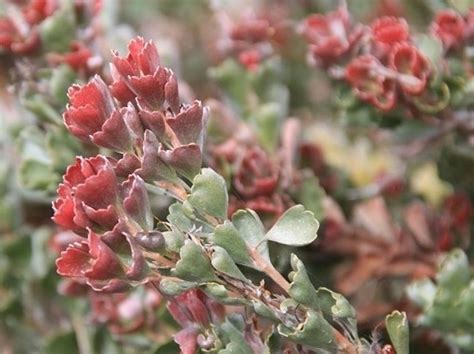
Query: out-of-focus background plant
[360,111]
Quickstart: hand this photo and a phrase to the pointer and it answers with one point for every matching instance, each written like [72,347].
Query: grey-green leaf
[252,231]
[209,194]
[222,262]
[397,328]
[228,237]
[194,265]
[296,227]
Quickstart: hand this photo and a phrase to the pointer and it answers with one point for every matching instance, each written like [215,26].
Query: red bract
[387,31]
[12,40]
[364,73]
[93,117]
[406,59]
[19,33]
[77,58]
[140,75]
[194,311]
[252,30]
[459,210]
[449,27]
[87,196]
[330,36]
[38,10]
[92,259]
[256,175]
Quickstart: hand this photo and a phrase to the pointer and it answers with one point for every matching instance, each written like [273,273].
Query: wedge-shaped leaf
[222,261]
[296,227]
[397,328]
[454,273]
[194,264]
[173,287]
[311,195]
[252,231]
[314,331]
[336,306]
[209,194]
[301,288]
[224,296]
[232,332]
[228,237]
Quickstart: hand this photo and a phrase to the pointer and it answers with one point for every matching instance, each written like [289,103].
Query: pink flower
[194,311]
[387,31]
[140,75]
[330,36]
[252,30]
[256,175]
[87,196]
[364,75]
[19,33]
[92,116]
[390,30]
[406,59]
[449,27]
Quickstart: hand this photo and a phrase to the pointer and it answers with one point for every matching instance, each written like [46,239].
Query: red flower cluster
[256,183]
[195,312]
[451,28]
[139,116]
[140,113]
[382,64]
[19,32]
[253,37]
[330,36]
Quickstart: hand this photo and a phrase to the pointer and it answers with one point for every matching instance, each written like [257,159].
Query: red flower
[250,59]
[459,210]
[19,32]
[91,116]
[94,261]
[449,27]
[18,43]
[194,311]
[87,196]
[140,75]
[252,30]
[406,59]
[365,76]
[256,175]
[330,36]
[387,31]
[77,58]
[38,10]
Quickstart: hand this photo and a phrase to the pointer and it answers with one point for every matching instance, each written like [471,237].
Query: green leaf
[172,287]
[311,195]
[228,237]
[222,262]
[252,231]
[209,194]
[454,273]
[235,338]
[430,46]
[58,31]
[61,343]
[463,6]
[296,227]
[267,120]
[397,328]
[314,331]
[194,264]
[61,78]
[336,306]
[301,288]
